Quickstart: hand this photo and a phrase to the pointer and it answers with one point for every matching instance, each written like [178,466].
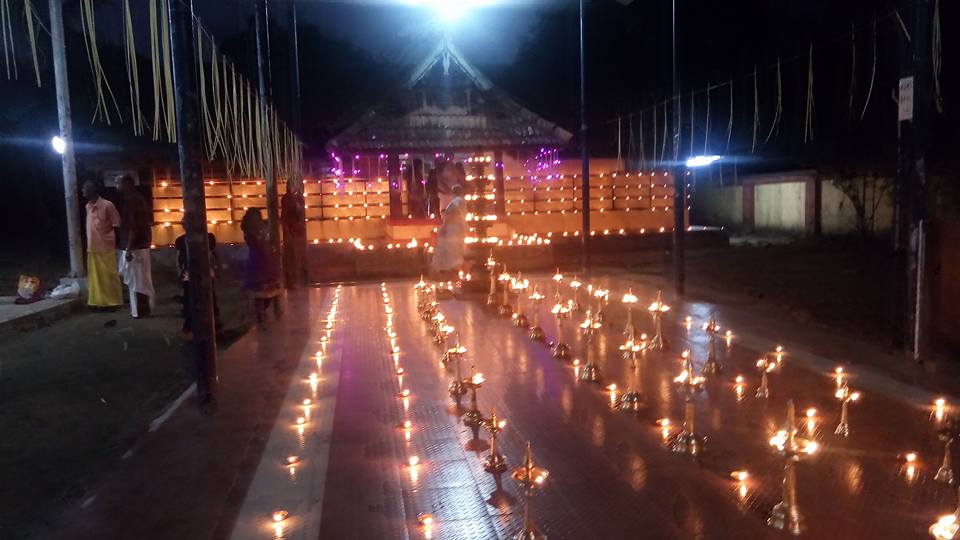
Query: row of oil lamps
[280,518]
[507,292]
[528,476]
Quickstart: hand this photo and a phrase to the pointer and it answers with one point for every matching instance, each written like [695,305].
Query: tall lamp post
[679,182]
[584,153]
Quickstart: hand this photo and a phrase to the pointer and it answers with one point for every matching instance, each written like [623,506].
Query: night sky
[353,53]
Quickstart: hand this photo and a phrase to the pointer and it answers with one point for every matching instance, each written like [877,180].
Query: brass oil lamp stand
[495,463]
[765,364]
[629,299]
[712,365]
[492,268]
[845,395]
[575,285]
[457,387]
[688,441]
[520,286]
[946,432]
[536,333]
[601,295]
[631,400]
[529,478]
[590,372]
[504,309]
[561,350]
[786,515]
[557,280]
[658,309]
[472,418]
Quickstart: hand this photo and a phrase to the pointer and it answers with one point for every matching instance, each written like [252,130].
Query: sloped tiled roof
[447,104]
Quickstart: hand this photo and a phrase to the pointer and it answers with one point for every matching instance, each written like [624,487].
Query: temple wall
[338,211]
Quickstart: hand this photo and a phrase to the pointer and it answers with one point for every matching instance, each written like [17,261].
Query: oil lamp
[688,441]
[536,333]
[491,266]
[560,349]
[947,526]
[845,395]
[443,334]
[472,418]
[601,295]
[631,400]
[946,433]
[437,321]
[453,353]
[575,285]
[738,388]
[909,468]
[629,299]
[590,371]
[786,515]
[765,364]
[494,463]
[529,478]
[657,309]
[557,279]
[712,366]
[630,350]
[520,286]
[457,387]
[504,309]
[939,409]
[590,325]
[686,378]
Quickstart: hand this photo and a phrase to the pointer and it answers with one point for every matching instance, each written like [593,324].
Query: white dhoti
[137,276]
[448,255]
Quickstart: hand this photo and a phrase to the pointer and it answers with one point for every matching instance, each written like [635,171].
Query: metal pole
[70,194]
[194,202]
[910,190]
[295,71]
[679,180]
[584,153]
[273,211]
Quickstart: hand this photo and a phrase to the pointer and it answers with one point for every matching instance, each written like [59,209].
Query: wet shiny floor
[611,474]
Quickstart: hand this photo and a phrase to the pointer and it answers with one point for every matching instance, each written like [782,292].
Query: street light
[701,161]
[59,145]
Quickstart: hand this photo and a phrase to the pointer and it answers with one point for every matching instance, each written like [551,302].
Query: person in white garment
[448,255]
[135,240]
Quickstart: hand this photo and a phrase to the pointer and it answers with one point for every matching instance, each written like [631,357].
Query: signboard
[905,101]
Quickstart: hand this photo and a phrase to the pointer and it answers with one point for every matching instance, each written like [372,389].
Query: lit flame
[945,528]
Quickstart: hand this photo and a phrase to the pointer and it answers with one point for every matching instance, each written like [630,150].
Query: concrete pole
[187,106]
[70,192]
[273,208]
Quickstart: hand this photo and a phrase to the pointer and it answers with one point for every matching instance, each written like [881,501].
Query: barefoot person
[105,290]
[448,256]
[135,222]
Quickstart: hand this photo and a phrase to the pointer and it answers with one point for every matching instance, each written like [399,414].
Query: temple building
[446,123]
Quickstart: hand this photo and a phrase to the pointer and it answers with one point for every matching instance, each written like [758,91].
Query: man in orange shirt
[103,277]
